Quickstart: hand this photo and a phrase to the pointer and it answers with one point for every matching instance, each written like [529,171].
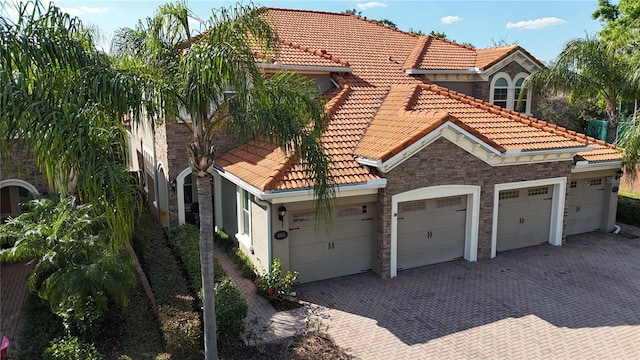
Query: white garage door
[524,217]
[431,231]
[345,248]
[585,205]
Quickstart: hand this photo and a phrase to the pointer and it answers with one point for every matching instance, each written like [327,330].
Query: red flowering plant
[273,285]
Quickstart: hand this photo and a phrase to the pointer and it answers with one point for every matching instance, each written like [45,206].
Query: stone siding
[444,163]
[21,166]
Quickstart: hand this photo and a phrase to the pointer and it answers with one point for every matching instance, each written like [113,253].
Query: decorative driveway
[578,301]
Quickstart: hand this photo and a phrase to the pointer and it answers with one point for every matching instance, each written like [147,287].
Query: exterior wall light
[282,212]
[174,184]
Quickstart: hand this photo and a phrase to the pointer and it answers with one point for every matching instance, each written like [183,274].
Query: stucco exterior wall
[444,163]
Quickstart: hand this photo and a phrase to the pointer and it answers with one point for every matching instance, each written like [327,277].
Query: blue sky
[541,27]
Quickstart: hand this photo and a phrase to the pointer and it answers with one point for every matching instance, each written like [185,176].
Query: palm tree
[587,69]
[63,100]
[211,82]
[75,272]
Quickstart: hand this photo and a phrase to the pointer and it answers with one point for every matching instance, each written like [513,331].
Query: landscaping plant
[273,284]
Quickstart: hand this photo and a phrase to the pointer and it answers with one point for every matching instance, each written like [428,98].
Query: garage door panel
[585,205]
[431,232]
[345,248]
[524,217]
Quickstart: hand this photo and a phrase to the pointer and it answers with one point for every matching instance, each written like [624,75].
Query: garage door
[524,217]
[585,205]
[431,231]
[346,248]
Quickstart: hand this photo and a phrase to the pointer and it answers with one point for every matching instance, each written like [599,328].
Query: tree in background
[621,32]
[211,83]
[588,69]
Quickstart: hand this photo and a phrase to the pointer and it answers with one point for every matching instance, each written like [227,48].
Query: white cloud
[370,5]
[75,11]
[450,19]
[535,24]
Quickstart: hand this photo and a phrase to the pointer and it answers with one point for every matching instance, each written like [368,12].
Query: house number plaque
[280,235]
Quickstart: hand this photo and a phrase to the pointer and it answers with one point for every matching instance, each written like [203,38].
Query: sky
[541,27]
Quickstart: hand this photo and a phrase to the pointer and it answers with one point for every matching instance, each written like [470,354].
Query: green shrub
[628,210]
[247,268]
[273,284]
[71,348]
[231,309]
[224,241]
[186,240]
[40,325]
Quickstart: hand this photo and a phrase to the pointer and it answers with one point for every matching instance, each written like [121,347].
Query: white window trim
[243,236]
[511,90]
[527,110]
[180,190]
[432,192]
[20,183]
[557,207]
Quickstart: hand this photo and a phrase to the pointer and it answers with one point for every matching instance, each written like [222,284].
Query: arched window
[524,106]
[505,92]
[501,92]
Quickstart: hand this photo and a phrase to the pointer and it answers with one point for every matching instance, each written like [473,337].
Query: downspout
[269,238]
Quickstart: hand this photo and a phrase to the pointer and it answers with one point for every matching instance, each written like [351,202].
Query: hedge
[231,307]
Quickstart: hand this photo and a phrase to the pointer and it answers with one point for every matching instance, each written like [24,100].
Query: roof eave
[584,166]
[418,71]
[305,69]
[519,152]
[343,190]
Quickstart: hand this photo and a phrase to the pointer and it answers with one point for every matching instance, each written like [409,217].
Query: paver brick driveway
[578,301]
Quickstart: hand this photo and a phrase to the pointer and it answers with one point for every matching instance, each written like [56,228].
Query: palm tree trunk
[206,264]
[612,124]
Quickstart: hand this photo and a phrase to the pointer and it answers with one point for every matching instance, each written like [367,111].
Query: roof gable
[380,114]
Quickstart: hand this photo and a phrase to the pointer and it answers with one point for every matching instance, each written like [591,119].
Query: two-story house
[433,158]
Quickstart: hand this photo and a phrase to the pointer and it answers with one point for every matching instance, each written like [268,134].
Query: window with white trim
[520,105]
[501,92]
[245,219]
[505,92]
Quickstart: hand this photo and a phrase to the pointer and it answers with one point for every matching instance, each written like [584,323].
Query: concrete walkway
[263,324]
[13,292]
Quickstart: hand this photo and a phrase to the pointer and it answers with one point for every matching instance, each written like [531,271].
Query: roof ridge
[320,53]
[337,100]
[417,53]
[510,114]
[279,172]
[453,42]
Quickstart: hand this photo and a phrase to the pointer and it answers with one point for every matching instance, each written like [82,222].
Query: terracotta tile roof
[410,112]
[289,53]
[434,53]
[602,152]
[378,109]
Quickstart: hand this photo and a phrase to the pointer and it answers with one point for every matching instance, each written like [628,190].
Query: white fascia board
[286,196]
[428,139]
[502,63]
[369,162]
[305,69]
[471,71]
[518,152]
[585,166]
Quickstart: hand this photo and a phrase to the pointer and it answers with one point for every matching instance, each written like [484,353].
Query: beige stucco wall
[444,163]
